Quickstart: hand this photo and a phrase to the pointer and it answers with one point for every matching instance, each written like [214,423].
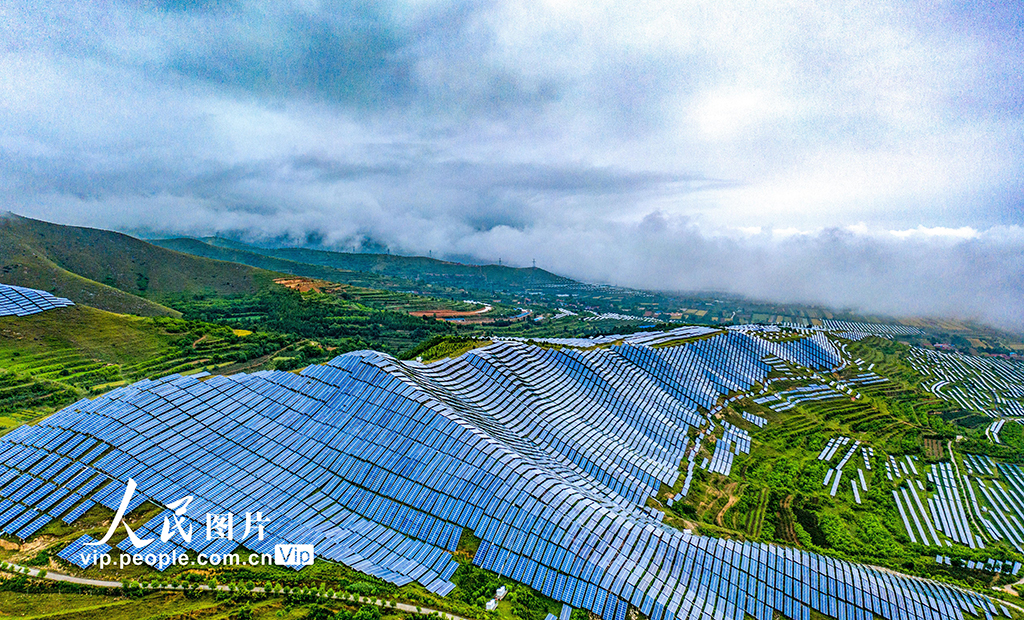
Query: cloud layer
[865,155]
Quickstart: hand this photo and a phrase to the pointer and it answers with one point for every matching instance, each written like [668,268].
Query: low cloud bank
[673,146]
[961,273]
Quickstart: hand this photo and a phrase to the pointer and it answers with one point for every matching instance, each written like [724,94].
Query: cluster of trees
[476,586]
[441,346]
[18,392]
[325,318]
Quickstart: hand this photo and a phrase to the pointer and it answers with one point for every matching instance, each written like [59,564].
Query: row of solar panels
[985,384]
[21,301]
[467,452]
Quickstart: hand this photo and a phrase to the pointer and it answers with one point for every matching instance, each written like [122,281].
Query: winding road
[100,583]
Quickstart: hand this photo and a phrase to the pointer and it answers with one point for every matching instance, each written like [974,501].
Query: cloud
[864,157]
[977,277]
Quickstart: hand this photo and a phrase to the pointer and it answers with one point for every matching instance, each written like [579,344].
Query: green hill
[408,268]
[112,271]
[52,358]
[196,247]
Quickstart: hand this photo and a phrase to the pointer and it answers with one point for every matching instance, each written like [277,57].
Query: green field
[775,494]
[53,358]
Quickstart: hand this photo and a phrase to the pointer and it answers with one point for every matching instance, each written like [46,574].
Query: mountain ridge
[111,270]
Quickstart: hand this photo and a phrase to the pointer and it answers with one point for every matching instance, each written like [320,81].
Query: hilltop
[110,270]
[404,270]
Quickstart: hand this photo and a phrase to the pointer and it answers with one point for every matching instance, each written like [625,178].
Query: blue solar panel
[381,465]
[21,301]
[81,555]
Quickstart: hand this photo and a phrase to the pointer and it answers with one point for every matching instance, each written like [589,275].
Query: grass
[111,270]
[53,358]
[158,605]
[775,494]
[21,605]
[450,348]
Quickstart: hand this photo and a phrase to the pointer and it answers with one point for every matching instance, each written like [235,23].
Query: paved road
[34,572]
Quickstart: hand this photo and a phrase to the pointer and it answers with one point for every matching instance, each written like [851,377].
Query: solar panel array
[998,504]
[756,420]
[990,385]
[982,491]
[924,525]
[1006,567]
[734,441]
[83,552]
[878,329]
[947,507]
[548,456]
[615,316]
[21,301]
[992,430]
[643,338]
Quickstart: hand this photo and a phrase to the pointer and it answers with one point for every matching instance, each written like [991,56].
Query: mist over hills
[120,273]
[369,268]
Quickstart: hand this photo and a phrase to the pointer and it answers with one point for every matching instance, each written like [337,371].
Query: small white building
[500,593]
[491,605]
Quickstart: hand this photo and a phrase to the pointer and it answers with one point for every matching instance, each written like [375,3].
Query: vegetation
[443,346]
[372,269]
[775,494]
[199,314]
[109,270]
[339,324]
[53,358]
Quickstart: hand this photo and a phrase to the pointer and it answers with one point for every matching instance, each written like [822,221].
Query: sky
[861,155]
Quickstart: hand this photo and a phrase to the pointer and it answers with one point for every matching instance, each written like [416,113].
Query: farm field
[51,359]
[893,442]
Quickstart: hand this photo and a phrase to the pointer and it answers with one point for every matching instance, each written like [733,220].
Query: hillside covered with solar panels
[581,449]
[632,473]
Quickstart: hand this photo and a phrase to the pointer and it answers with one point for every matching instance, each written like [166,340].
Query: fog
[858,156]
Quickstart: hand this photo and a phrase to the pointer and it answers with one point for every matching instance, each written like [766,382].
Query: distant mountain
[197,247]
[109,270]
[410,268]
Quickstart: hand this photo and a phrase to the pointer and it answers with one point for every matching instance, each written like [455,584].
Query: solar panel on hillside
[21,301]
[381,464]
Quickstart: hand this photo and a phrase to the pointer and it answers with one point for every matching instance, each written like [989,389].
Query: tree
[319,612]
[242,613]
[367,612]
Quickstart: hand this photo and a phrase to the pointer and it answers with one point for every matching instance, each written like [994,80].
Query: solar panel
[549,456]
[21,301]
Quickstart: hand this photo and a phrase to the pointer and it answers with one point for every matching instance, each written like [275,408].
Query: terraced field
[50,359]
[780,492]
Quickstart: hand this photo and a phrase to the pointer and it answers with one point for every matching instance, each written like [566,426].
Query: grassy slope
[22,266]
[155,606]
[110,270]
[112,338]
[50,359]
